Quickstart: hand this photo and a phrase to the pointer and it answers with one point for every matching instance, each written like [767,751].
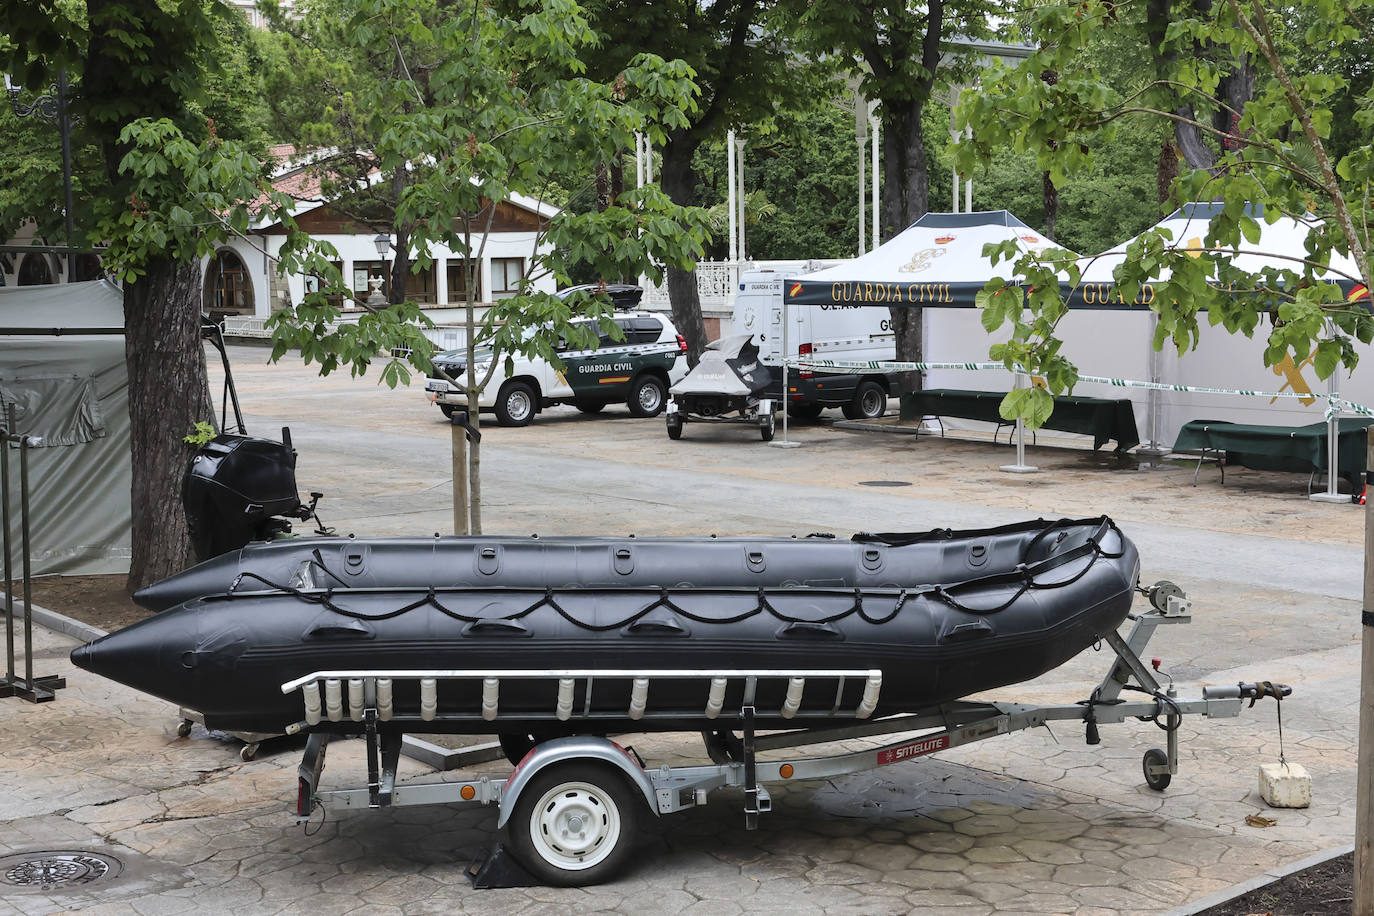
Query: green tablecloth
[1278,448]
[1102,418]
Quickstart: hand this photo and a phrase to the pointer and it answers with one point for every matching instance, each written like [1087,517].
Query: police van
[848,333]
[636,371]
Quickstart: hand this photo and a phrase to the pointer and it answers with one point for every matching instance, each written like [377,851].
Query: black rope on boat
[1023,576]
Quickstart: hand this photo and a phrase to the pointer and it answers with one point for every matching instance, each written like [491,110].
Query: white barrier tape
[1334,403]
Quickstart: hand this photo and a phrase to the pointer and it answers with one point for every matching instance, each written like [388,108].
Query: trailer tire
[674,426]
[768,425]
[574,824]
[1156,757]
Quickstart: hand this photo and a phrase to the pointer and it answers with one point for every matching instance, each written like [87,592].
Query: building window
[34,271]
[458,281]
[506,274]
[364,271]
[228,289]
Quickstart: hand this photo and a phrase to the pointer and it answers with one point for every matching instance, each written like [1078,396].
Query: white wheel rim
[517,405]
[870,402]
[648,397]
[575,826]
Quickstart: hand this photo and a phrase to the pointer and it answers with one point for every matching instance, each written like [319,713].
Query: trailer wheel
[574,824]
[768,424]
[674,426]
[1156,757]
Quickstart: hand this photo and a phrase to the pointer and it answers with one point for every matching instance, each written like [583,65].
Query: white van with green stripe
[636,372]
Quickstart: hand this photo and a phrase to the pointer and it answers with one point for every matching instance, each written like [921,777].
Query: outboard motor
[240,488]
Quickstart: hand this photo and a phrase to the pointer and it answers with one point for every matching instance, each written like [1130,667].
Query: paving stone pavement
[1032,822]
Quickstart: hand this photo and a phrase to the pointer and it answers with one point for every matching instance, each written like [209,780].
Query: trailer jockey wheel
[1156,757]
[768,423]
[723,746]
[574,824]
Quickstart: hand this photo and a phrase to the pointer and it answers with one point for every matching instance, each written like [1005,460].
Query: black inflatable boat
[490,634]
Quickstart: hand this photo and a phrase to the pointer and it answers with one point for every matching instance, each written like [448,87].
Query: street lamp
[375,299]
[52,107]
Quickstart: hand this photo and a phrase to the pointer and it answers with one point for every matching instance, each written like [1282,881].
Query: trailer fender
[561,750]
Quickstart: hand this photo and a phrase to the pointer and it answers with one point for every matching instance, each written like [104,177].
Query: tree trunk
[163,349]
[677,181]
[906,198]
[1049,195]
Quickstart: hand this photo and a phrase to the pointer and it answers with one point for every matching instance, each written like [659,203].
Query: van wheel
[574,824]
[515,404]
[870,402]
[590,407]
[448,410]
[808,411]
[648,395]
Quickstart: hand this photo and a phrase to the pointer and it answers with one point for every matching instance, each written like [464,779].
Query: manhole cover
[884,483]
[56,870]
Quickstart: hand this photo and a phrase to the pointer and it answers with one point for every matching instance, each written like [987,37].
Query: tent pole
[1020,467]
[1153,448]
[1333,450]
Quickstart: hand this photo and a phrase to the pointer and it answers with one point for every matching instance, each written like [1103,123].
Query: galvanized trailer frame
[666,789]
[750,409]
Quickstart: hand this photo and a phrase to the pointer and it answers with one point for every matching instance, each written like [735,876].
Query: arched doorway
[35,271]
[228,288]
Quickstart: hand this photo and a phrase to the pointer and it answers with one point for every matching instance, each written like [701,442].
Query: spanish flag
[1360,291]
[795,290]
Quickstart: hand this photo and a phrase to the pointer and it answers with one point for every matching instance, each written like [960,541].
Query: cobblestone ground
[1031,822]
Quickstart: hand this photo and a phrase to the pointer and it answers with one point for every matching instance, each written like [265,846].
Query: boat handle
[965,632]
[805,629]
[342,630]
[494,626]
[663,627]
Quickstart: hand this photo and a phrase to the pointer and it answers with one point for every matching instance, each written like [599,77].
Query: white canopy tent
[1222,359]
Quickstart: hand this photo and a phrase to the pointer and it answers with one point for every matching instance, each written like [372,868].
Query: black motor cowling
[236,490]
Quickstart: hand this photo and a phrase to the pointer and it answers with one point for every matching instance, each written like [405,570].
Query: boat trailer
[569,809]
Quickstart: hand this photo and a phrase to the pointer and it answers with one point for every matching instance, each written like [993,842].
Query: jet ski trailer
[569,811]
[728,386]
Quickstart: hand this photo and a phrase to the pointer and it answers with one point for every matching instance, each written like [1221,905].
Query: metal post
[33,689]
[459,432]
[1364,755]
[7,686]
[873,131]
[785,442]
[1153,448]
[1333,449]
[65,129]
[739,199]
[1020,467]
[860,138]
[730,193]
